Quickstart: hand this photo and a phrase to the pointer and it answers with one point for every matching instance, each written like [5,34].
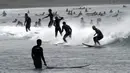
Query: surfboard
[92,45]
[61,43]
[80,66]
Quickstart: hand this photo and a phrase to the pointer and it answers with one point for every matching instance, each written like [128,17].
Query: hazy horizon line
[59,6]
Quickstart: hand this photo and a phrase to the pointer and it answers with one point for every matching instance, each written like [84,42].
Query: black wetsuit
[99,35]
[57,26]
[37,56]
[51,20]
[28,23]
[68,31]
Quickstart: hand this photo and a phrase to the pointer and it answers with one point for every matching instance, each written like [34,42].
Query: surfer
[51,17]
[37,55]
[68,31]
[82,21]
[57,25]
[39,22]
[27,22]
[97,36]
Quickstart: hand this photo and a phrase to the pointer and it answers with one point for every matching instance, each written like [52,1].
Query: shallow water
[72,57]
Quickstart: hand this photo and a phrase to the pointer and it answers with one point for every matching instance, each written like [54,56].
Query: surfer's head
[94,28]
[49,10]
[56,17]
[26,15]
[64,23]
[39,19]
[39,42]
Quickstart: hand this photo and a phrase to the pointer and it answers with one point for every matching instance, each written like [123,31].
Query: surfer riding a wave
[97,36]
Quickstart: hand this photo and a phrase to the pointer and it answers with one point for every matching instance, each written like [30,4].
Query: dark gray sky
[42,3]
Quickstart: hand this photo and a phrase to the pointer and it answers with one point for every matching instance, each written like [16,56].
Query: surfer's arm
[70,29]
[62,29]
[61,18]
[25,21]
[54,23]
[43,58]
[95,34]
[45,16]
[32,53]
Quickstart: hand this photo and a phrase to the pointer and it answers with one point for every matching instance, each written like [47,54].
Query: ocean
[16,43]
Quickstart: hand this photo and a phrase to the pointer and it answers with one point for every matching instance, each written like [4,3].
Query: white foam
[80,34]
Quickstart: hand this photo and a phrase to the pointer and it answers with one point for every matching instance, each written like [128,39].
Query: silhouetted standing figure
[68,31]
[4,14]
[28,12]
[37,55]
[86,10]
[82,21]
[91,22]
[51,18]
[39,22]
[27,22]
[36,24]
[57,25]
[111,11]
[98,20]
[97,36]
[67,10]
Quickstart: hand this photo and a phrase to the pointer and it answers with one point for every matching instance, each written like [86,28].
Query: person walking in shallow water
[51,15]
[37,55]
[27,22]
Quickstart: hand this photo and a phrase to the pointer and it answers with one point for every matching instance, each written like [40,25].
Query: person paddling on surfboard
[97,36]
